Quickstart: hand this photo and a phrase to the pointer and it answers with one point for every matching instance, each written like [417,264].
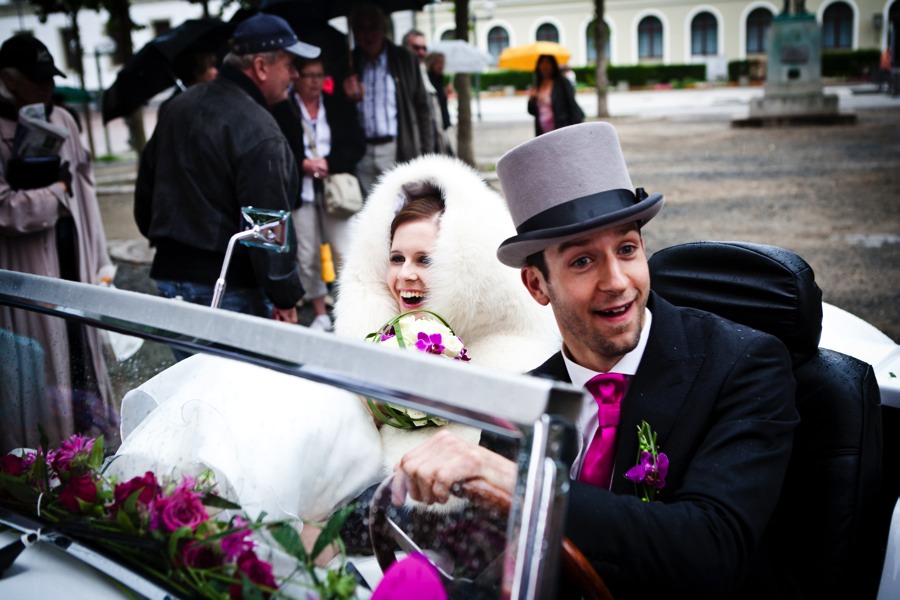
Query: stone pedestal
[794,91]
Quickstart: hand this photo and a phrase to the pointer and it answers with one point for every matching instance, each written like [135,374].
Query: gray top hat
[566,183]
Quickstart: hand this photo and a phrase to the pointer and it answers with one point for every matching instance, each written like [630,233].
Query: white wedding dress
[277,444]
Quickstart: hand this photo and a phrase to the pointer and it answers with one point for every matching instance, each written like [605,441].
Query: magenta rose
[78,488]
[182,509]
[146,486]
[71,449]
[13,465]
[256,570]
[200,555]
[236,544]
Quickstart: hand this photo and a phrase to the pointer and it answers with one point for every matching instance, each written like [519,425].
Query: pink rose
[258,571]
[78,488]
[147,485]
[182,509]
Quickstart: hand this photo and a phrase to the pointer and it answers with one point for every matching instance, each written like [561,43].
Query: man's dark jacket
[216,149]
[414,131]
[720,396]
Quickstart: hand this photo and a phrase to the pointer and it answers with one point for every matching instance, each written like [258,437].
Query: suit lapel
[659,390]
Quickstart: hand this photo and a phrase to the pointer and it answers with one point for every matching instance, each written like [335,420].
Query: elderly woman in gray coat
[51,228]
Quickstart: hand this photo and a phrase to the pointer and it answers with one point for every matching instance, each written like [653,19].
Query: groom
[719,397]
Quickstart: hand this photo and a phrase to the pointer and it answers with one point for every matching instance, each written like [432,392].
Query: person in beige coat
[52,230]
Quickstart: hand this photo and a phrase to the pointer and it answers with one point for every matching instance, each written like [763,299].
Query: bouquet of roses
[176,532]
[420,331]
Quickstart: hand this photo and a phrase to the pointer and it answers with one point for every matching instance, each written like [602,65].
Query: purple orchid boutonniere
[652,465]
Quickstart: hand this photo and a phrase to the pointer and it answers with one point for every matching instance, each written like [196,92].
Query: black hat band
[580,210]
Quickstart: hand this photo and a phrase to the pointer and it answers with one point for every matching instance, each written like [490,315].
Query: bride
[426,238]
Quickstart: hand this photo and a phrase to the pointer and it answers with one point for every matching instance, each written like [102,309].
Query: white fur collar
[482,299]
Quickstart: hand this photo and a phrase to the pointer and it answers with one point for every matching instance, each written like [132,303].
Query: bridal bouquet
[419,331]
[177,532]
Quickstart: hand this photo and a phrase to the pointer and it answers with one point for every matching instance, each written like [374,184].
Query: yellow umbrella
[524,58]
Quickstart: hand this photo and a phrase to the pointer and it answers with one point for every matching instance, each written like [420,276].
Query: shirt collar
[627,365]
[245,83]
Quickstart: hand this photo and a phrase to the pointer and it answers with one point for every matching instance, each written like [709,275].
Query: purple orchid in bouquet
[652,465]
[422,331]
[180,533]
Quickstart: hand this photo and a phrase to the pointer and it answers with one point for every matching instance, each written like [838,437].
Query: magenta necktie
[608,390]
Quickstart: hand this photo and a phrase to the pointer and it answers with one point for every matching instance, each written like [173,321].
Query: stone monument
[794,91]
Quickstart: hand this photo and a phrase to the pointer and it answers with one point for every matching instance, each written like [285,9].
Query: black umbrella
[151,70]
[328,9]
[309,20]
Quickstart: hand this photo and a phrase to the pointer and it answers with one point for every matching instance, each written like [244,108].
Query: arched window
[497,39]
[837,26]
[650,38]
[704,35]
[547,33]
[591,45]
[758,23]
[450,34]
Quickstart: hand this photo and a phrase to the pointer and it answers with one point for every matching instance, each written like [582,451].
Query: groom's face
[598,287]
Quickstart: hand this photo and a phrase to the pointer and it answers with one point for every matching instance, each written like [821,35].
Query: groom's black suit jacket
[721,398]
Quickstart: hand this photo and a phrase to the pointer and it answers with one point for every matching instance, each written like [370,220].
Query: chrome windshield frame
[507,404]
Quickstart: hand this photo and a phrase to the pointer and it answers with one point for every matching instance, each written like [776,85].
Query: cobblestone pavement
[828,193]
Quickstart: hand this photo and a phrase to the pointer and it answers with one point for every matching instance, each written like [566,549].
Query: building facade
[712,32]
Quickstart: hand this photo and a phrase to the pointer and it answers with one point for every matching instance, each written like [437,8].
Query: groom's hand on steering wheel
[428,473]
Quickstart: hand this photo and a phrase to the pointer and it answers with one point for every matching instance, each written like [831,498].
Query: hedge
[636,76]
[849,64]
[852,64]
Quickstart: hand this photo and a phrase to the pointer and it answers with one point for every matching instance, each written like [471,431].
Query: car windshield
[205,449]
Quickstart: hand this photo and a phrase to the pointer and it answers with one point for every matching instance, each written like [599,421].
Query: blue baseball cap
[264,33]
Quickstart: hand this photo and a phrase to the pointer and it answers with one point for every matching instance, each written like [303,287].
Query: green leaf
[289,539]
[249,589]
[124,521]
[215,501]
[177,536]
[18,489]
[95,458]
[332,530]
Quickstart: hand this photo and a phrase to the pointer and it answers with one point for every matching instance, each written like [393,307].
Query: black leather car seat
[827,536]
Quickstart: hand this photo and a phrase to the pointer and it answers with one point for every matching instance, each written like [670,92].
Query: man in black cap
[683,516]
[216,149]
[49,225]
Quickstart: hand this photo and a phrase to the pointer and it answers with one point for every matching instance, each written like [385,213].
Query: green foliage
[635,75]
[752,68]
[850,64]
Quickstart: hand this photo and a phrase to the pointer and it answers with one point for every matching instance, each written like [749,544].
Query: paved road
[828,193]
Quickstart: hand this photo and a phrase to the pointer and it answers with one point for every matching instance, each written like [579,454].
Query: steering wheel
[387,536]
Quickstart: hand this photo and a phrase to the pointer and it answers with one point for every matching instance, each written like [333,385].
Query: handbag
[343,195]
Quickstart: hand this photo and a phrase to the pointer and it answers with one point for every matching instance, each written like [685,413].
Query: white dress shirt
[587,424]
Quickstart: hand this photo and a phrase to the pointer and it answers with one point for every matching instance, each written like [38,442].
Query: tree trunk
[119,29]
[600,42]
[79,68]
[463,83]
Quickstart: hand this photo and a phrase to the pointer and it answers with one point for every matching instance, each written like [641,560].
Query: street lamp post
[105,47]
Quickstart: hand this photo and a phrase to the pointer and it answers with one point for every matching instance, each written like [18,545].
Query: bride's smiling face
[407,274]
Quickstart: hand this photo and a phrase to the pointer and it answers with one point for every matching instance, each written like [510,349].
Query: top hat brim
[516,249]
